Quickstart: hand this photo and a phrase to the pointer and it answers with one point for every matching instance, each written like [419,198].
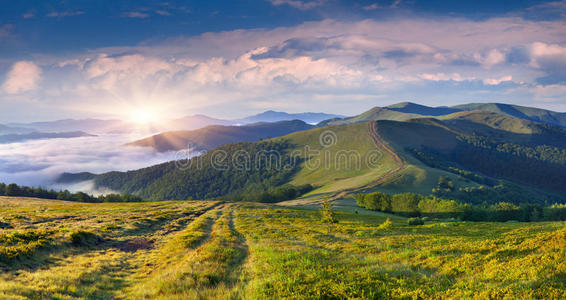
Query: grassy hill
[208,250]
[376,113]
[422,110]
[407,110]
[483,155]
[517,111]
[213,136]
[345,164]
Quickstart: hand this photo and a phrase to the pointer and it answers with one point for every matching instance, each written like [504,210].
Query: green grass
[336,174]
[211,250]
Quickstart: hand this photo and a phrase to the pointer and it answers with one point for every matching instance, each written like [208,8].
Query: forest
[15,190]
[244,171]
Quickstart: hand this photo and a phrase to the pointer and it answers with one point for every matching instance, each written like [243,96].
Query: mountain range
[192,122]
[213,136]
[407,110]
[13,138]
[463,153]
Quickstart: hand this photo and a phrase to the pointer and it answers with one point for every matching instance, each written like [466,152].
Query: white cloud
[546,55]
[372,7]
[299,4]
[236,70]
[550,93]
[61,14]
[491,58]
[162,12]
[129,65]
[496,81]
[444,77]
[135,14]
[24,76]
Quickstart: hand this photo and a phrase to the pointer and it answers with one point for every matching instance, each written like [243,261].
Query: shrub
[415,221]
[386,225]
[84,238]
[18,245]
[327,212]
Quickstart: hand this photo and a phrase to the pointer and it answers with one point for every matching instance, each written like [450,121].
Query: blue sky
[78,59]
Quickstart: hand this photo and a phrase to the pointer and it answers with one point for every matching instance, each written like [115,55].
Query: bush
[386,225]
[374,201]
[22,244]
[327,212]
[84,238]
[415,221]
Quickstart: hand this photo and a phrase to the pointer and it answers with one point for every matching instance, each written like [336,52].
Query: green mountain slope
[213,136]
[376,113]
[522,112]
[423,110]
[407,110]
[480,157]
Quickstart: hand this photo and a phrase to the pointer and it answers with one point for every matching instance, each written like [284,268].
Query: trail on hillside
[379,142]
[381,145]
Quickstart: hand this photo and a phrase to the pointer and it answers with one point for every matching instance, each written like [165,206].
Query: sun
[142,116]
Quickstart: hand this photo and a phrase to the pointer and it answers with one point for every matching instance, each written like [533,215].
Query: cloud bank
[344,67]
[40,162]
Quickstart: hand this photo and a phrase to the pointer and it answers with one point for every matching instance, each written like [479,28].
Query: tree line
[415,205]
[38,192]
[259,175]
[270,195]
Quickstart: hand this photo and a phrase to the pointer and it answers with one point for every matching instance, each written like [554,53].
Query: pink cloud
[496,81]
[24,76]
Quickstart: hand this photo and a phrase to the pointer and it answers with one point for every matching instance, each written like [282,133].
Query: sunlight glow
[143,116]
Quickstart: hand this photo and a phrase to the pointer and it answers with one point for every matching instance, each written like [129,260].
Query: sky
[229,59]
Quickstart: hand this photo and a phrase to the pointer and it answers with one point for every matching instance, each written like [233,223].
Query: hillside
[422,110]
[480,157]
[213,136]
[407,110]
[483,155]
[517,111]
[374,114]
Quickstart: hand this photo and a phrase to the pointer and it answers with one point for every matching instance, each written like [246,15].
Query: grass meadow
[214,250]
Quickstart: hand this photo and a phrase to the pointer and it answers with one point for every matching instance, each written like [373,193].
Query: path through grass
[208,250]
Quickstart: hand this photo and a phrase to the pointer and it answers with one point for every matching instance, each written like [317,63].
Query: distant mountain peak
[275,116]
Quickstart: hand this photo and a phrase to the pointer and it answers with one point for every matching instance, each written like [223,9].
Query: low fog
[40,162]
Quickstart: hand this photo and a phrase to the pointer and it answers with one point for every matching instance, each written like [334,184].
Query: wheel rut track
[380,144]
